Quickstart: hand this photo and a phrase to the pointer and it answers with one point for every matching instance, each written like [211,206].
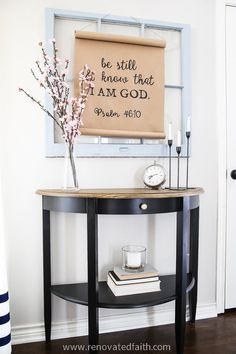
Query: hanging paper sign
[128,97]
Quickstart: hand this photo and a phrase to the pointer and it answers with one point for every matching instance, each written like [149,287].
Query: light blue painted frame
[123,150]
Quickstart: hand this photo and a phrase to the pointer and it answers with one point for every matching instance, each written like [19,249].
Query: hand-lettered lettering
[106,64]
[126,65]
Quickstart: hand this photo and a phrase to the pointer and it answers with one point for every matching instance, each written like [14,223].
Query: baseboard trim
[112,323]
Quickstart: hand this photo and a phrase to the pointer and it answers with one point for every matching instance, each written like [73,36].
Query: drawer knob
[143,206]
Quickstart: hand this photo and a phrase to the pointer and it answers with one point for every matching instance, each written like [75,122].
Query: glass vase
[70,168]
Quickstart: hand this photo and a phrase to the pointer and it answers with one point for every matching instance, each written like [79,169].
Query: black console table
[95,294]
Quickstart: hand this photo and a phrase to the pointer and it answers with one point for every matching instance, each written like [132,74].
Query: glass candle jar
[134,258]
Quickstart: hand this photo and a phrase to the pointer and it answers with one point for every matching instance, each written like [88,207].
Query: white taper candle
[179,138]
[188,125]
[170,131]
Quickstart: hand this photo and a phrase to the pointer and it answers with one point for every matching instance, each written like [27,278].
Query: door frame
[221,112]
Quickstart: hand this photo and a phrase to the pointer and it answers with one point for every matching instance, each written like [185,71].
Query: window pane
[108,140]
[120,29]
[64,35]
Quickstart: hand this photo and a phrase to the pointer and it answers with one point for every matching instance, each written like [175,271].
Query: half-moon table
[96,294]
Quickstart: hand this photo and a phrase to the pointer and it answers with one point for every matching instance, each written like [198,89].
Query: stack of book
[124,283]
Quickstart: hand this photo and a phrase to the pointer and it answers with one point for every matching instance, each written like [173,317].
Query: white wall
[25,168]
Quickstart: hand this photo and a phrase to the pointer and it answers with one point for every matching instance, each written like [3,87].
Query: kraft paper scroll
[128,98]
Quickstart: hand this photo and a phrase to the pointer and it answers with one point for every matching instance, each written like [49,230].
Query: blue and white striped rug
[5,329]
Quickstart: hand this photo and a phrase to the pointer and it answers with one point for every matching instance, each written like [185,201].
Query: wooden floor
[212,336]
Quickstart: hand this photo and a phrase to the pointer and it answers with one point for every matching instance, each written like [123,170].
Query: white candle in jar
[179,138]
[134,260]
[188,125]
[170,131]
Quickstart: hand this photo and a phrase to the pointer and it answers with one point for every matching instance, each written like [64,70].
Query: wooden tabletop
[120,193]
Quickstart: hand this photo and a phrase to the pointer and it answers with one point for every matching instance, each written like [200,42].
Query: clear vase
[70,168]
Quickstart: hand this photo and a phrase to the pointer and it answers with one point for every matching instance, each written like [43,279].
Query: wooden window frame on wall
[99,149]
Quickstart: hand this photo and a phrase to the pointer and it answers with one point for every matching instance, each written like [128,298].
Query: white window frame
[123,150]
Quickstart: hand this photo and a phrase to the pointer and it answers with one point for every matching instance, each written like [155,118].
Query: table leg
[193,265]
[47,274]
[181,274]
[92,244]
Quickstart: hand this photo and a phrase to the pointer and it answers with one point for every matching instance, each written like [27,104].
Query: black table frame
[187,230]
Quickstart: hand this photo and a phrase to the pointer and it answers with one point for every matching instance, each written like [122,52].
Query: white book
[119,282]
[149,271]
[131,289]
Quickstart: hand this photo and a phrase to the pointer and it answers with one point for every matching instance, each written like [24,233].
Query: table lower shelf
[78,293]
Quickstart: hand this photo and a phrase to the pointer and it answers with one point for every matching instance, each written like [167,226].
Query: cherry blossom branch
[51,76]
[39,67]
[40,105]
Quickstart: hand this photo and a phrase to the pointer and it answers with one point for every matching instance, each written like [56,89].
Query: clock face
[154,176]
